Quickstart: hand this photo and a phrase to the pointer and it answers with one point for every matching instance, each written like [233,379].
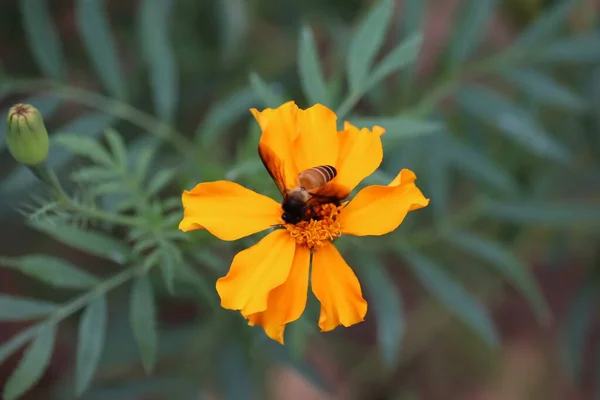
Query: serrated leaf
[404,54]
[143,161]
[93,174]
[469,30]
[474,164]
[453,296]
[92,242]
[269,97]
[153,27]
[33,364]
[366,42]
[51,270]
[110,188]
[47,104]
[143,321]
[508,265]
[577,327]
[511,120]
[398,128]
[94,29]
[23,309]
[573,50]
[117,147]
[90,342]
[389,315]
[544,89]
[42,37]
[309,68]
[225,113]
[546,24]
[559,215]
[161,179]
[85,147]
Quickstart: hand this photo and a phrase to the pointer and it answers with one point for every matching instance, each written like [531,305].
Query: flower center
[315,232]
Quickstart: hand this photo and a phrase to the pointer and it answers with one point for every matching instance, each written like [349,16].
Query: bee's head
[290,218]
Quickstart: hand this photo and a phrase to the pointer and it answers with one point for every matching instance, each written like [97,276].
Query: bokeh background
[489,293]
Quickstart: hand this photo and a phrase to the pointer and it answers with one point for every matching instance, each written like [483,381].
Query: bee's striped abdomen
[316,177]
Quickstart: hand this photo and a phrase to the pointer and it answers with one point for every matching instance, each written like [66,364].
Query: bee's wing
[274,166]
[330,193]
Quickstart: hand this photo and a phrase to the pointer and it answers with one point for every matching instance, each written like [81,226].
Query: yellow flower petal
[377,210]
[255,272]
[228,210]
[359,155]
[279,130]
[337,288]
[317,142]
[286,302]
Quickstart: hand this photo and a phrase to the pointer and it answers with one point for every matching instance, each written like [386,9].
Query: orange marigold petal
[317,142]
[255,272]
[286,303]
[337,288]
[228,210]
[360,154]
[377,210]
[279,130]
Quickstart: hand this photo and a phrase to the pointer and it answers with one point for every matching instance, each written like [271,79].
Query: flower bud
[26,135]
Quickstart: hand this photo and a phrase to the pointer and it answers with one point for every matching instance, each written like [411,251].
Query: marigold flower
[268,282]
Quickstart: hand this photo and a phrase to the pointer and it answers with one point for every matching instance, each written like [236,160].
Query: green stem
[48,176]
[65,311]
[110,106]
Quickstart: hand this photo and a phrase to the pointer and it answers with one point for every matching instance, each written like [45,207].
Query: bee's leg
[278,226]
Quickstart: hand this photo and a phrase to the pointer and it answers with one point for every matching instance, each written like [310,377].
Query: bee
[313,187]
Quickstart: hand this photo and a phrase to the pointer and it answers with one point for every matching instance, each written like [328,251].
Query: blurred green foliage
[155,97]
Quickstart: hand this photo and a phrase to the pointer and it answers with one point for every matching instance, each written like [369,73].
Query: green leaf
[51,270]
[161,179]
[225,113]
[544,89]
[42,37]
[413,13]
[476,165]
[453,296]
[143,321]
[117,147]
[438,182]
[547,24]
[578,325]
[469,30]
[153,27]
[85,147]
[511,120]
[143,161]
[573,50]
[508,265]
[387,304]
[366,42]
[23,309]
[170,258]
[33,364]
[309,67]
[398,128]
[90,343]
[404,54]
[92,242]
[95,32]
[558,215]
[93,174]
[267,95]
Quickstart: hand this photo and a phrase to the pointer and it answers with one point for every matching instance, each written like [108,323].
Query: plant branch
[110,106]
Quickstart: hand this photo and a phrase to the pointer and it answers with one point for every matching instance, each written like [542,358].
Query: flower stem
[48,176]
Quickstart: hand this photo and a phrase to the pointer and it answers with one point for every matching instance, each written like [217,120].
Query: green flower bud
[26,135]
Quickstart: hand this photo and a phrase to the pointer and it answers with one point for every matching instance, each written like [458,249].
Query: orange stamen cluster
[315,232]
